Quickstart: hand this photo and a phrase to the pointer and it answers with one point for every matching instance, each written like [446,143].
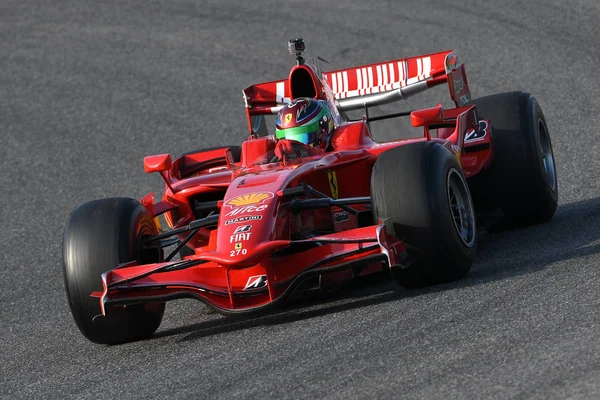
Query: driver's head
[306,120]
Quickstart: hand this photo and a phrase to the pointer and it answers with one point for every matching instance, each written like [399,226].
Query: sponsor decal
[332,178]
[465,99]
[239,237]
[238,246]
[476,135]
[246,209]
[459,85]
[255,282]
[243,228]
[340,216]
[247,218]
[248,199]
[288,118]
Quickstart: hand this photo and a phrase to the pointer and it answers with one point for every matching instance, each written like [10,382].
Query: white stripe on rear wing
[376,99]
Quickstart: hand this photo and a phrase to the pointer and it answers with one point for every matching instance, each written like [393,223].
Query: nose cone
[247,221]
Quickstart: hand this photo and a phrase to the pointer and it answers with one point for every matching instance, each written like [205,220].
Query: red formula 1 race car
[251,227]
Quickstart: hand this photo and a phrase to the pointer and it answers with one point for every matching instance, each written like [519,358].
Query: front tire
[421,189]
[100,235]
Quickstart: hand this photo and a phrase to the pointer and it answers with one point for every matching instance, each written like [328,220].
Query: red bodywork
[260,247]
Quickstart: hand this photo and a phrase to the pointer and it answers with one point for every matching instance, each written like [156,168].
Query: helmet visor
[306,134]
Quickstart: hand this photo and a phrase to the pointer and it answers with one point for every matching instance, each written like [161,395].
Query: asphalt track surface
[88,88]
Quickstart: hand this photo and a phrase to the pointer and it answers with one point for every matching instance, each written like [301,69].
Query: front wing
[278,269]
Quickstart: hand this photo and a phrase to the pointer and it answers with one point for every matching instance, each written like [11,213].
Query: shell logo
[247,199]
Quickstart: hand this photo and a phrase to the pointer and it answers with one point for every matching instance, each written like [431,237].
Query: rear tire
[521,180]
[421,188]
[100,235]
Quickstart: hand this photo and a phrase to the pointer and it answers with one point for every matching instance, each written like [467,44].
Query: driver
[303,128]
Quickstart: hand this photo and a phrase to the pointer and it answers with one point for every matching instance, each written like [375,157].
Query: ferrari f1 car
[247,232]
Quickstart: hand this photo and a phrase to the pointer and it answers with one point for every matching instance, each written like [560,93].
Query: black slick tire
[521,180]
[414,187]
[98,236]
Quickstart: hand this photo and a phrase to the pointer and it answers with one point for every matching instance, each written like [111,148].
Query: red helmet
[306,120]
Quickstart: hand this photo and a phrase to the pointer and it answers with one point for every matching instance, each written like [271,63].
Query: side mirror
[158,163]
[427,116]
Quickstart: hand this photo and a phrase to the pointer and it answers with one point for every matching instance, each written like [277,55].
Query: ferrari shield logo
[333,184]
[288,118]
[238,246]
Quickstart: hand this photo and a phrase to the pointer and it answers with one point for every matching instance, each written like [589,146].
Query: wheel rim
[461,208]
[547,155]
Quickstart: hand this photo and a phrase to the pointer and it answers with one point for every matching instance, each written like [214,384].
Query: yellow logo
[333,185]
[247,199]
[457,155]
[238,246]
[288,118]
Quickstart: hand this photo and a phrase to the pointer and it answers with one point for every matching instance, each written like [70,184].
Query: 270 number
[233,253]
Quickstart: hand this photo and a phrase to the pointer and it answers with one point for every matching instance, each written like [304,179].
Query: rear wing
[366,85]
[381,83]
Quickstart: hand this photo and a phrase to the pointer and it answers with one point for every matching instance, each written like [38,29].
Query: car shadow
[352,297]
[571,234]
